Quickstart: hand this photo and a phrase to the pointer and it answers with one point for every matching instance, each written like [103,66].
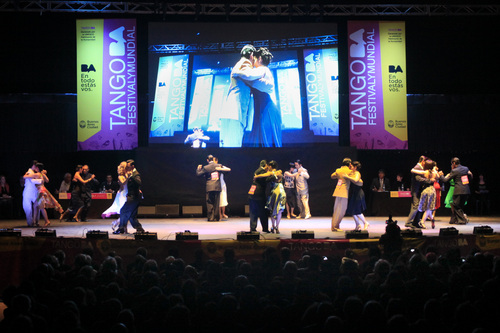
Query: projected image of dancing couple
[251,76]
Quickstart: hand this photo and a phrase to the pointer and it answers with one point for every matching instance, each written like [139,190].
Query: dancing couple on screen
[251,76]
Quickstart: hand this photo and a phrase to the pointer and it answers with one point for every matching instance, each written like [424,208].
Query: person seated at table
[110,185]
[4,187]
[400,184]
[380,183]
[65,184]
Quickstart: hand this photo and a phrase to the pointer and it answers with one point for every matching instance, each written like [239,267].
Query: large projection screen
[198,99]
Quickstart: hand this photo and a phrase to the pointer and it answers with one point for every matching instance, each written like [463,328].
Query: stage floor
[227,229]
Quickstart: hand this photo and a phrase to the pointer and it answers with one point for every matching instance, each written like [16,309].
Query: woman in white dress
[121,196]
[223,194]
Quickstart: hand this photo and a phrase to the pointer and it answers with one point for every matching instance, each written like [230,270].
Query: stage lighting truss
[275,44]
[244,10]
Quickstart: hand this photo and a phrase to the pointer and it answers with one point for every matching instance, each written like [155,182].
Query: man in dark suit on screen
[129,210]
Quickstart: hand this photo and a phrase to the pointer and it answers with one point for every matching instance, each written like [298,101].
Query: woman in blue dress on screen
[121,197]
[266,125]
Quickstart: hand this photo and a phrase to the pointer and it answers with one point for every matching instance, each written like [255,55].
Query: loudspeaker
[302,234]
[186,235]
[192,210]
[451,231]
[247,235]
[97,234]
[45,233]
[146,211]
[483,230]
[167,210]
[146,236]
[10,233]
[411,233]
[356,234]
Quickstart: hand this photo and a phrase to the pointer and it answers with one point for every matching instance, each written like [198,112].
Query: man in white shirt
[301,177]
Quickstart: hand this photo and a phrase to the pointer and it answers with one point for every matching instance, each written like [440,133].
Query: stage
[20,255]
[166,228]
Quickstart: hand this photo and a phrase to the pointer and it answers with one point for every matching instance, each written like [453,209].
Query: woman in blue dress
[266,128]
[356,203]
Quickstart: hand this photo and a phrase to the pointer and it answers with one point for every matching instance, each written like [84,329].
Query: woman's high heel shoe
[422,225]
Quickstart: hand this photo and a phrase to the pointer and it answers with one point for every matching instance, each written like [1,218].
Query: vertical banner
[377,85]
[107,84]
[170,96]
[322,89]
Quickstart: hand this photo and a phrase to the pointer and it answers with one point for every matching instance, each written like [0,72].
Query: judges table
[395,203]
[100,202]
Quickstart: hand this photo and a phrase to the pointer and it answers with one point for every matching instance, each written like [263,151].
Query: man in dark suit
[460,174]
[129,210]
[257,200]
[211,172]
[86,191]
[381,183]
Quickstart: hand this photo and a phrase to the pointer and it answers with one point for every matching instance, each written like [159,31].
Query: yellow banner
[89,37]
[393,57]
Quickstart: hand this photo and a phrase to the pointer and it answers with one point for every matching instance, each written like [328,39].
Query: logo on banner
[117,48]
[395,69]
[357,49]
[82,124]
[87,68]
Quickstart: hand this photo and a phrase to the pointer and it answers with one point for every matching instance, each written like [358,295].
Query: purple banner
[373,103]
[119,103]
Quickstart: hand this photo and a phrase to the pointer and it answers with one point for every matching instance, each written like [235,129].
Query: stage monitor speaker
[167,210]
[97,234]
[146,211]
[356,234]
[186,235]
[451,231]
[45,233]
[146,235]
[10,233]
[302,234]
[247,235]
[411,233]
[192,210]
[483,230]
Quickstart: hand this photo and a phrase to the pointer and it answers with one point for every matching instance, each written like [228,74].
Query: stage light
[483,230]
[247,235]
[356,234]
[97,234]
[411,233]
[45,233]
[10,233]
[451,231]
[186,235]
[302,234]
[146,235]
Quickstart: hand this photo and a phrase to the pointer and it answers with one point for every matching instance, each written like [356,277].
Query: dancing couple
[251,75]
[275,201]
[349,199]
[127,199]
[36,197]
